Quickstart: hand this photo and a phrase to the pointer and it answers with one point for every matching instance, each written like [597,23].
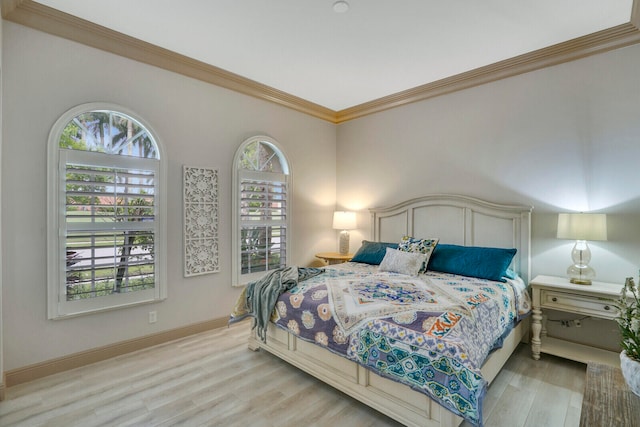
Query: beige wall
[198,124]
[562,138]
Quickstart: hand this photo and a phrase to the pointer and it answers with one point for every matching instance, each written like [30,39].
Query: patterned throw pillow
[402,262]
[423,246]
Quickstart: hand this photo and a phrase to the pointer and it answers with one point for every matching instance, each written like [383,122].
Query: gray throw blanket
[259,298]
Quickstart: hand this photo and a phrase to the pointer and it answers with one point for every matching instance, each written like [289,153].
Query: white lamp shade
[582,226]
[343,220]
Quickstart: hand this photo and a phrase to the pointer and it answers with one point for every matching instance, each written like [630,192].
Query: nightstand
[557,293]
[334,257]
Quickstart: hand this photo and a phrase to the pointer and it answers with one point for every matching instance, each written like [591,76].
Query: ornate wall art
[200,221]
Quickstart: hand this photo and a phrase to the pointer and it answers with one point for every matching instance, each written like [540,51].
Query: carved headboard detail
[459,220]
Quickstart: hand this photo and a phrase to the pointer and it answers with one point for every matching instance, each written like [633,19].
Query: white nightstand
[557,293]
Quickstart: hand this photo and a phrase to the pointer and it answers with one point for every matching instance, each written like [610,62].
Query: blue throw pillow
[372,252]
[473,261]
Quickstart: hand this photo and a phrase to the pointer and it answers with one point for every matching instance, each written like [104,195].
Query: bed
[409,395]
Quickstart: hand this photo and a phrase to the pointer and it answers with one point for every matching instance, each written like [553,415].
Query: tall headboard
[459,220]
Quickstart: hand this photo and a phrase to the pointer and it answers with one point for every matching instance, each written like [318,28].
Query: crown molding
[635,14]
[601,41]
[52,21]
[8,6]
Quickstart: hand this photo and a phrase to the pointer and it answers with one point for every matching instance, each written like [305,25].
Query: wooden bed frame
[454,219]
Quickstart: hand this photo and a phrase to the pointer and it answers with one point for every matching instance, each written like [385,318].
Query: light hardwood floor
[213,379]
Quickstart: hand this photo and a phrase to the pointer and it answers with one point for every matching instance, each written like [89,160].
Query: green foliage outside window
[95,194]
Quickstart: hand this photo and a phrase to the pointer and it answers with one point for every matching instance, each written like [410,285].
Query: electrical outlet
[571,323]
[153,316]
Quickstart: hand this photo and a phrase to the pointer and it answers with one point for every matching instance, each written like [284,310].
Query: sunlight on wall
[613,260]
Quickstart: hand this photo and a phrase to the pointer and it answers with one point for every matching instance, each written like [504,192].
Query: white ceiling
[377,48]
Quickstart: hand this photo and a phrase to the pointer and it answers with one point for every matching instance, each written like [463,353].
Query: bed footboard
[393,399]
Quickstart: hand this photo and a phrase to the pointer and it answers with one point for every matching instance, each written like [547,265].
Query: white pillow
[402,262]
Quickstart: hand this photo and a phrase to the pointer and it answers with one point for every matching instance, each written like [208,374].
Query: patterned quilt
[431,332]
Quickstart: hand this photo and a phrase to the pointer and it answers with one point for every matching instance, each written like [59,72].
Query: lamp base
[580,281]
[580,273]
[344,242]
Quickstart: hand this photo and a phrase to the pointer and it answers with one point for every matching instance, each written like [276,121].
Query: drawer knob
[606,307]
[554,299]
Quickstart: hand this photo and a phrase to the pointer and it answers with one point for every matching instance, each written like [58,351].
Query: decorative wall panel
[200,221]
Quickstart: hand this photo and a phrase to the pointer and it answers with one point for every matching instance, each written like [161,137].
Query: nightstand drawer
[583,304]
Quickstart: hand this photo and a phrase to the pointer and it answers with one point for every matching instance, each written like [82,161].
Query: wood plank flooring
[213,379]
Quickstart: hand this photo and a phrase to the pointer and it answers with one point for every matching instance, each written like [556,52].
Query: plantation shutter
[109,223]
[263,221]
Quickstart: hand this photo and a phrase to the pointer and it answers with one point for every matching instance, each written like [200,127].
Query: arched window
[106,212]
[261,214]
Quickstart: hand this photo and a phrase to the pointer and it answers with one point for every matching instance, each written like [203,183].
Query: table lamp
[344,221]
[581,227]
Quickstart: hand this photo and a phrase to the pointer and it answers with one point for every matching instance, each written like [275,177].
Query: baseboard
[71,361]
[3,387]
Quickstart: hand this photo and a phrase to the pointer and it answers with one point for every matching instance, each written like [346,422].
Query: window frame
[57,305]
[237,278]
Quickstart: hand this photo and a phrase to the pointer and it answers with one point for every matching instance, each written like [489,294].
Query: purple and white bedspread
[432,332]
